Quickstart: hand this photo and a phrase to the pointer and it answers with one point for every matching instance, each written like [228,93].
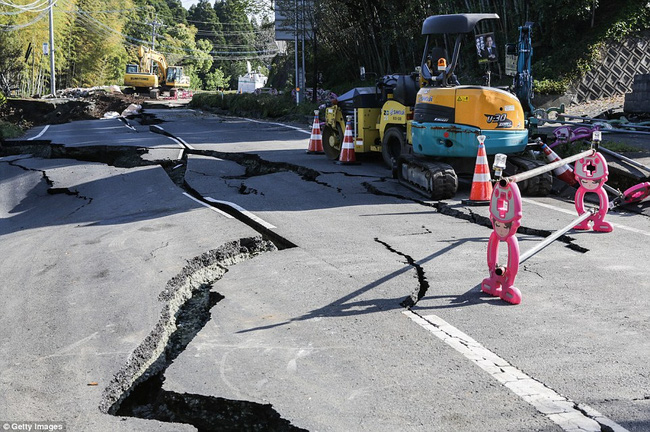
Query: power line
[108,11]
[8,28]
[228,52]
[36,8]
[217,22]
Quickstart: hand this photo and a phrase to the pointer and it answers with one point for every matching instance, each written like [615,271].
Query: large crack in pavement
[423,283]
[126,156]
[117,156]
[136,389]
[50,183]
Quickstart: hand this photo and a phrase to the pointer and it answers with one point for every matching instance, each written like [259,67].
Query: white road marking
[180,153]
[182,141]
[567,414]
[40,134]
[243,211]
[574,213]
[279,124]
[221,212]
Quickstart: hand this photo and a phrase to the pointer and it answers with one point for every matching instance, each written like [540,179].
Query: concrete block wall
[638,101]
[614,73]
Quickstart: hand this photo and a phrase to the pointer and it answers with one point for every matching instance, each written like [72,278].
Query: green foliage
[238,32]
[95,39]
[9,130]
[216,80]
[621,147]
[550,86]
[195,82]
[3,99]
[252,105]
[573,148]
[571,35]
[9,68]
[636,18]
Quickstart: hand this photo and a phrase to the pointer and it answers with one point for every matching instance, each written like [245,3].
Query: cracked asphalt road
[314,336]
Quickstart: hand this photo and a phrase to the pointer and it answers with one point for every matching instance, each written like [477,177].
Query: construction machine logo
[393,112]
[501,120]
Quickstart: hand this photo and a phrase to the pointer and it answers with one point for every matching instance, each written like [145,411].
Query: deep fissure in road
[137,389]
[51,189]
[423,283]
[145,397]
[129,157]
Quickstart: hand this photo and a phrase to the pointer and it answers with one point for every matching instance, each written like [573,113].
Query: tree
[96,48]
[203,16]
[216,80]
[10,62]
[238,36]
[180,48]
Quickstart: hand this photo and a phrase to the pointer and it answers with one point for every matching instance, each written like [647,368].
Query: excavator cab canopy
[446,24]
[455,23]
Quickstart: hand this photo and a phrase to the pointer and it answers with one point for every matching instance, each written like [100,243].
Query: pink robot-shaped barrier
[505,214]
[591,173]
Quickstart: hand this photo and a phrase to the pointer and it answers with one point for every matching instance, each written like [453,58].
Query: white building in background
[251,81]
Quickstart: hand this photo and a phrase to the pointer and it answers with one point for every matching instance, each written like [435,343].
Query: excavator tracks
[435,180]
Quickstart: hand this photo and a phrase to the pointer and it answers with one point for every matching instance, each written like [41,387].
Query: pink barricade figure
[505,214]
[591,173]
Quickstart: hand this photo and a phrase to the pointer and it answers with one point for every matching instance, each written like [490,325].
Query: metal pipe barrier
[591,173]
[546,168]
[550,239]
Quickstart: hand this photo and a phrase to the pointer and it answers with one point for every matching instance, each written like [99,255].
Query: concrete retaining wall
[639,100]
[614,73]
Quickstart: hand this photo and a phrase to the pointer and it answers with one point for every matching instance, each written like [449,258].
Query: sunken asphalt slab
[317,330]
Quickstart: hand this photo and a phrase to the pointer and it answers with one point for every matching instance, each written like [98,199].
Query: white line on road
[221,212]
[40,134]
[182,141]
[243,211]
[279,124]
[561,210]
[180,154]
[567,414]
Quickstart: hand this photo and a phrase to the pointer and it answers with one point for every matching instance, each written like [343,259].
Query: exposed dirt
[597,107]
[78,106]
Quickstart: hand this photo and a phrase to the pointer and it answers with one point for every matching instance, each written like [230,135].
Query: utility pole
[295,42]
[155,23]
[303,74]
[314,28]
[52,74]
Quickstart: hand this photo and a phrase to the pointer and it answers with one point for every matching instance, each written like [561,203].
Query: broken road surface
[226,279]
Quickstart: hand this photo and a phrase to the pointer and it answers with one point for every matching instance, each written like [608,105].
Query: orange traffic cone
[481,183]
[347,156]
[316,140]
[565,172]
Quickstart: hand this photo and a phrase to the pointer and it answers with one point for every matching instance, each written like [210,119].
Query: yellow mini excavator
[425,124]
